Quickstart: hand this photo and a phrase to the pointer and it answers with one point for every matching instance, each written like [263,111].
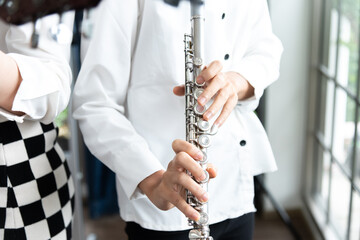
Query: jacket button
[226,56]
[223,16]
[242,143]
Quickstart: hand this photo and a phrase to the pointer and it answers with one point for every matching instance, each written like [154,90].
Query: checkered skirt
[36,187]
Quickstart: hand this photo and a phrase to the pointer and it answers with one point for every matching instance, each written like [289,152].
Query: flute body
[198,131]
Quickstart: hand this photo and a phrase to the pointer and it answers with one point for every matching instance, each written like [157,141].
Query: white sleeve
[100,96]
[46,75]
[261,62]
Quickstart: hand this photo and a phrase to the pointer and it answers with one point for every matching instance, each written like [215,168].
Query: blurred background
[311,115]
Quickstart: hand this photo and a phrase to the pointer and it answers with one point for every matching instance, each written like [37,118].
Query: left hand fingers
[209,72]
[216,84]
[225,99]
[226,110]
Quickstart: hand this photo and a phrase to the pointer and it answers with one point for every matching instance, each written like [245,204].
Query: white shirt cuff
[40,92]
[12,117]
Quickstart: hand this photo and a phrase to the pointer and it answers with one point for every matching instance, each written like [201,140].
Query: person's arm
[100,96]
[44,76]
[9,82]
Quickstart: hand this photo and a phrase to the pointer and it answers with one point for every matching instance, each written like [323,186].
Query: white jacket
[129,116]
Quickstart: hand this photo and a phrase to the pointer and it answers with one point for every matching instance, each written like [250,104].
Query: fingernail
[199,155]
[208,115]
[203,176]
[217,125]
[202,100]
[200,80]
[205,197]
[195,216]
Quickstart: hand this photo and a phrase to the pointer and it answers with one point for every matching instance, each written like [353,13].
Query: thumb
[211,170]
[179,90]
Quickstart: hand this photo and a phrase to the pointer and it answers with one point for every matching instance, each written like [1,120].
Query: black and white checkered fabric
[36,187]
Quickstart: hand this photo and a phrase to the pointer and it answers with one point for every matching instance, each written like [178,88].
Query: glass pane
[344,129]
[325,113]
[339,201]
[330,36]
[349,45]
[355,217]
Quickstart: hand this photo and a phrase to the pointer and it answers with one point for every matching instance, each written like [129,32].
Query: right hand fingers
[183,206]
[174,192]
[183,146]
[184,161]
[180,180]
[209,72]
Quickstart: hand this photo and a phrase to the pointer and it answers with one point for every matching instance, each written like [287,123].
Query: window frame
[318,73]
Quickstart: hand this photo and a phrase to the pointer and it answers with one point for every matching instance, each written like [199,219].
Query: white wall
[287,100]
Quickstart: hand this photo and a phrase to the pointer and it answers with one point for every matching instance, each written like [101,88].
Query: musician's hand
[166,189]
[226,88]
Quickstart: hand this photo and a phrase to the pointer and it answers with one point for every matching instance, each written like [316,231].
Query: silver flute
[198,131]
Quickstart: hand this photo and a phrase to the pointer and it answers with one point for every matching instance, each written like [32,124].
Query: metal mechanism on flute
[198,131]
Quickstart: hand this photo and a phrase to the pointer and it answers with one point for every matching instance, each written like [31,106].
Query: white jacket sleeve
[46,75]
[261,62]
[100,97]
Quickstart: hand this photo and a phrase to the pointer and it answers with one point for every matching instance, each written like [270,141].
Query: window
[335,184]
